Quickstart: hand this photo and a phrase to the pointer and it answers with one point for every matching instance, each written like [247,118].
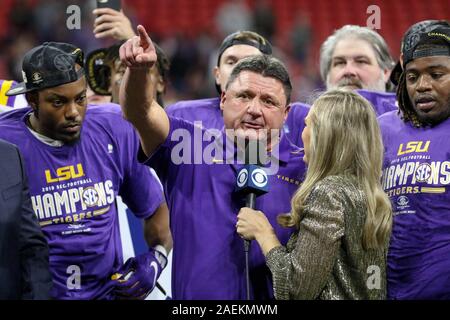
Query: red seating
[169,17]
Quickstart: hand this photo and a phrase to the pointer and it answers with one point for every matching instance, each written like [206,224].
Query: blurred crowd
[191,31]
[192,56]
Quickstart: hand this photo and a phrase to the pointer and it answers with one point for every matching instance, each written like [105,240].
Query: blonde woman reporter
[342,216]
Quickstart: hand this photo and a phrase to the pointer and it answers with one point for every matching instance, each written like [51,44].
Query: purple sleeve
[160,160]
[141,190]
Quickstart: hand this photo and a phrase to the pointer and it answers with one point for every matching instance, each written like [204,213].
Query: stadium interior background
[190,30]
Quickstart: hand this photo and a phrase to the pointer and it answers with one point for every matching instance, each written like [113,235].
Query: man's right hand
[136,95]
[137,277]
[138,52]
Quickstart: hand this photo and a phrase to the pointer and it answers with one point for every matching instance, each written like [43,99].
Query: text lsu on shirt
[416,177]
[73,190]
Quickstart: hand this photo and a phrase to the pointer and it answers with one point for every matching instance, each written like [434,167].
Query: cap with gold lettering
[435,33]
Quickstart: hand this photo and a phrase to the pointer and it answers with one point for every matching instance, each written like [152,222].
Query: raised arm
[136,92]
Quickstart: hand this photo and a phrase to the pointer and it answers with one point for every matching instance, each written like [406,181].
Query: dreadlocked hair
[404,103]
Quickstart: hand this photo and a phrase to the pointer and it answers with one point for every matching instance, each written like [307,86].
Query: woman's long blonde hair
[345,139]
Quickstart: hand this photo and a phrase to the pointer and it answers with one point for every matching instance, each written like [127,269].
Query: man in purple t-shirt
[235,47]
[416,173]
[355,57]
[364,67]
[79,158]
[199,172]
[358,58]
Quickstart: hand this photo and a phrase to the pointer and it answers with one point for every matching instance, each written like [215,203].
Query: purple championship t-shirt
[208,256]
[73,191]
[416,177]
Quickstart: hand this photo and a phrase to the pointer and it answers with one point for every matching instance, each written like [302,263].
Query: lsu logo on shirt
[65,173]
[413,146]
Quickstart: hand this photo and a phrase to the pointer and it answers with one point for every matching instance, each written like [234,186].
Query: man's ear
[288,108]
[160,85]
[32,99]
[223,98]
[386,75]
[216,75]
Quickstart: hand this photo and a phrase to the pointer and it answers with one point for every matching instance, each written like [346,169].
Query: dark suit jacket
[24,266]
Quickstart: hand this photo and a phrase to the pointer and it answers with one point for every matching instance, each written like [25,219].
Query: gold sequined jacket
[324,259]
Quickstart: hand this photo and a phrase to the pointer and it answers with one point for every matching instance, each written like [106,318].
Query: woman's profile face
[306,135]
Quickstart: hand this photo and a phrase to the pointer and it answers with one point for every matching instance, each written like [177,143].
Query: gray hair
[379,46]
[267,66]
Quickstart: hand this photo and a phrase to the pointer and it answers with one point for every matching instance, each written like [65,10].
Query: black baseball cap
[245,37]
[423,32]
[98,73]
[49,65]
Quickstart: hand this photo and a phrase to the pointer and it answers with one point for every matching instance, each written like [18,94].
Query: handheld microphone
[251,182]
